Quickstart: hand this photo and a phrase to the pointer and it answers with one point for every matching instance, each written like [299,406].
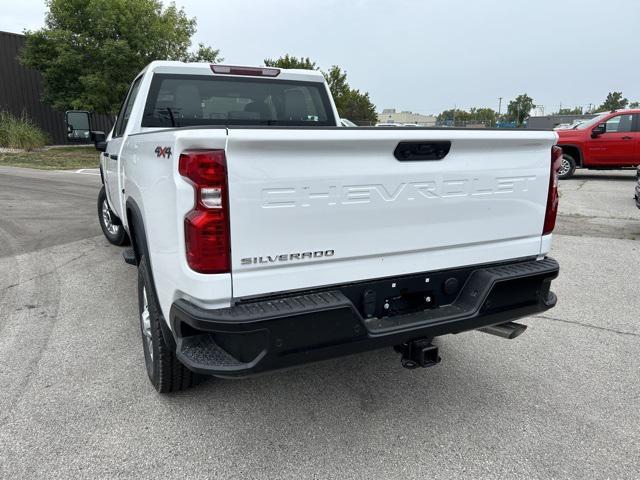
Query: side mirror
[598,130]
[78,125]
[79,129]
[99,140]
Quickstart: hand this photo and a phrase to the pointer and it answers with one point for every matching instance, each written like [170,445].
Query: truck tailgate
[318,207]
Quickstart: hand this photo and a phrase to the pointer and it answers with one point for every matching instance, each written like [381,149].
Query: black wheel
[111,227]
[567,167]
[165,371]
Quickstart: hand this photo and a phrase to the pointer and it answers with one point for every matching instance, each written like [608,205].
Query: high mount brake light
[552,197]
[206,227]
[248,71]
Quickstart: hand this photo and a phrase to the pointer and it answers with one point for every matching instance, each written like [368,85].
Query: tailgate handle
[415,151]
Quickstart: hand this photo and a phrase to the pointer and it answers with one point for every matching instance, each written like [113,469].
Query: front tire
[109,223]
[567,167]
[165,371]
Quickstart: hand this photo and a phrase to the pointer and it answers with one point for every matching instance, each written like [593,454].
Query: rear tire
[567,167]
[109,223]
[165,371]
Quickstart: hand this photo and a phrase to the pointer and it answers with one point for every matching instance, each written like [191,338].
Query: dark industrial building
[21,91]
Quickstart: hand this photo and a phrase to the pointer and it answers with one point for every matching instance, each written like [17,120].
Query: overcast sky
[428,55]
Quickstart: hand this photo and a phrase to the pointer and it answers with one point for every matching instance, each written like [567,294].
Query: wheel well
[138,239]
[574,152]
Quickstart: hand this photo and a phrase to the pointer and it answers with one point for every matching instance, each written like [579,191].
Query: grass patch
[54,158]
[20,132]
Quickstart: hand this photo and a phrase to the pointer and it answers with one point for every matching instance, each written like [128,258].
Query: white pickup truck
[266,235]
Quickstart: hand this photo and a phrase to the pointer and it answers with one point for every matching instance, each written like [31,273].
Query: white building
[390,115]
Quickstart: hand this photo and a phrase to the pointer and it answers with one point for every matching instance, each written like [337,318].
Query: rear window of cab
[176,100]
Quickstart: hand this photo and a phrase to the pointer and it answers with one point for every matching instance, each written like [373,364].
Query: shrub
[20,132]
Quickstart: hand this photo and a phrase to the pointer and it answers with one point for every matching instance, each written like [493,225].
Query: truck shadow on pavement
[366,410]
[354,397]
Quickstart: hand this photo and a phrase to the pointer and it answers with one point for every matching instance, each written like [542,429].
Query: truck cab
[608,141]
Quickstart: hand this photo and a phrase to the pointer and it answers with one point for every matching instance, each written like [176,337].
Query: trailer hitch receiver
[418,353]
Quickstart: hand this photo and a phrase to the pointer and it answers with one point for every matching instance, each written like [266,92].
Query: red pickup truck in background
[609,141]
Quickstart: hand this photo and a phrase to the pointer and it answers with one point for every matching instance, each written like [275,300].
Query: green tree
[460,118]
[569,111]
[614,101]
[89,51]
[352,104]
[205,54]
[518,109]
[358,107]
[337,81]
[454,117]
[487,116]
[291,62]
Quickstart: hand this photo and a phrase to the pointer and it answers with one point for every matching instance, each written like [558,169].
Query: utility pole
[499,105]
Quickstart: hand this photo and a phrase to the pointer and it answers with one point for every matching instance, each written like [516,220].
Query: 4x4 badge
[163,152]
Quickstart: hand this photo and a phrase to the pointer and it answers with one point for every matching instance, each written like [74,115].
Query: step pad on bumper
[203,350]
[279,307]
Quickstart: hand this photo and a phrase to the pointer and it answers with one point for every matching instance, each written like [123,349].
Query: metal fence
[21,93]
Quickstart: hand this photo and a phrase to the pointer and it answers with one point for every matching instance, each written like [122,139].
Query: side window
[125,111]
[619,124]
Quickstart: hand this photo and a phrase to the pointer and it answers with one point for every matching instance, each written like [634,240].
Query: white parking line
[89,171]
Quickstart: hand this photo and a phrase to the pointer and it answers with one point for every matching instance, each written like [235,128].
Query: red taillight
[250,71]
[552,196]
[206,227]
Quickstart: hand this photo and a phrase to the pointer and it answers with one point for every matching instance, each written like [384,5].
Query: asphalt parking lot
[561,401]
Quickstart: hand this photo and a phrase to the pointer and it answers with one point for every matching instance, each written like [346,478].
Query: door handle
[627,138]
[113,157]
[105,154]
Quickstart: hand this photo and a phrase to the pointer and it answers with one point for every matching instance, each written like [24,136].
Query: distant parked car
[563,126]
[389,124]
[609,141]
